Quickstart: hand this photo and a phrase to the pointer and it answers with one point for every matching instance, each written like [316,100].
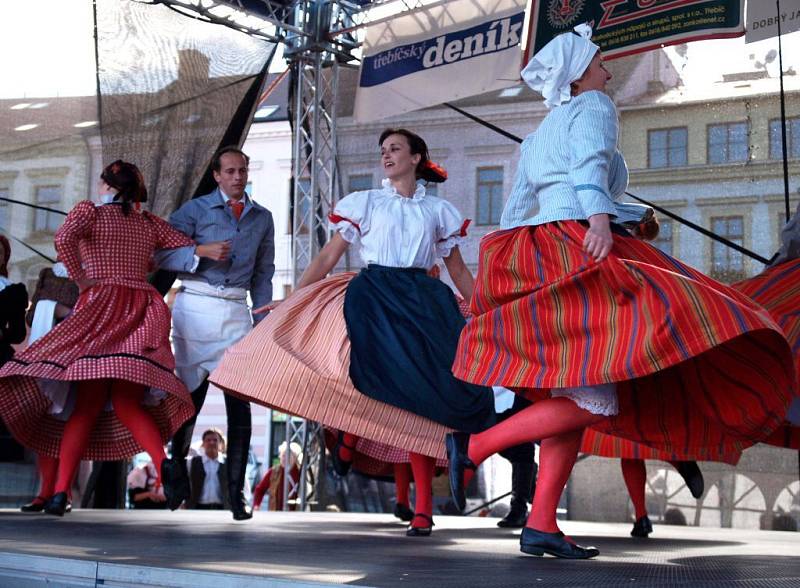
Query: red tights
[402,480]
[92,395]
[559,424]
[635,475]
[423,467]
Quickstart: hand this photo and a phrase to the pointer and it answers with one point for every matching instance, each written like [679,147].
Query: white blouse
[396,231]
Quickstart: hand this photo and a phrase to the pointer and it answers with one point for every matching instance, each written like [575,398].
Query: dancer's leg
[48,469]
[90,398]
[402,480]
[556,458]
[635,475]
[423,467]
[127,400]
[546,418]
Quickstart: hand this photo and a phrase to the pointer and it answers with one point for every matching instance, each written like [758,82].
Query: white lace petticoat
[601,399]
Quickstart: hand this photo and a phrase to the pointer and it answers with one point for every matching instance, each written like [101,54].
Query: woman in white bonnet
[601,329]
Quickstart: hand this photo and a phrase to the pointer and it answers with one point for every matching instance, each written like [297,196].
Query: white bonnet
[559,63]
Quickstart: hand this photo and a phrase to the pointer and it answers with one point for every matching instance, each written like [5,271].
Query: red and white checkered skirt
[118,330]
[297,361]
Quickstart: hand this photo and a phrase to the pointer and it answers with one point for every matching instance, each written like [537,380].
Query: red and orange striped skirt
[702,371]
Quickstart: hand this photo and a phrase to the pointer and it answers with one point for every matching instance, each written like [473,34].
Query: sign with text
[437,54]
[762,19]
[625,27]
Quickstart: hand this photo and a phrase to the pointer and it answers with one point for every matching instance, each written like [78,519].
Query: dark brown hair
[128,181]
[216,161]
[426,169]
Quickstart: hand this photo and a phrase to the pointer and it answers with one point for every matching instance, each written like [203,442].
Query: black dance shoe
[693,477]
[516,517]
[535,542]
[57,504]
[457,446]
[175,481]
[402,512]
[239,508]
[35,505]
[341,466]
[642,527]
[420,531]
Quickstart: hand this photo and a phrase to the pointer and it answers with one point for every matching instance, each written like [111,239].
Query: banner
[434,55]
[762,19]
[625,27]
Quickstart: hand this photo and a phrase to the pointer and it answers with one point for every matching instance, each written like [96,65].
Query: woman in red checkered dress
[100,385]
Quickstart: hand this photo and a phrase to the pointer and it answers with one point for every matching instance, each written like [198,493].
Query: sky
[55,37]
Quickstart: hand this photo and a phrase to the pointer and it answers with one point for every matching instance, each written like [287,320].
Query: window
[792,138]
[359,182]
[728,142]
[667,147]
[664,239]
[43,220]
[726,264]
[490,195]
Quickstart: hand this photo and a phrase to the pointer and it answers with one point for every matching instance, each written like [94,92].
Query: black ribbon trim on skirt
[404,327]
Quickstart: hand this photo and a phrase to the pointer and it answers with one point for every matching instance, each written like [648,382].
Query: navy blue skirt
[403,327]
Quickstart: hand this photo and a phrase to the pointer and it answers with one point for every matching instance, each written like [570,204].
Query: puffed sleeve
[77,226]
[350,216]
[451,230]
[167,237]
[593,134]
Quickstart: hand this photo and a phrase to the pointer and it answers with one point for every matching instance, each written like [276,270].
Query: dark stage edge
[202,548]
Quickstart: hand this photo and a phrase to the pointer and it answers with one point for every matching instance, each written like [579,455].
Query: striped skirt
[297,361]
[702,371]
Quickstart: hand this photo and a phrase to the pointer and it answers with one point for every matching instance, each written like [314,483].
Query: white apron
[206,320]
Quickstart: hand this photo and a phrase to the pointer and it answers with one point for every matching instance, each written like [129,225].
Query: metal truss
[317,36]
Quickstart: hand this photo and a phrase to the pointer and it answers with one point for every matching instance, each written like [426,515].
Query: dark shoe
[535,542]
[175,481]
[69,506]
[420,531]
[457,446]
[516,517]
[57,504]
[642,527]
[239,508]
[693,477]
[522,481]
[340,466]
[35,505]
[402,512]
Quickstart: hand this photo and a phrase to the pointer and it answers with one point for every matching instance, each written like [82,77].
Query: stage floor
[202,548]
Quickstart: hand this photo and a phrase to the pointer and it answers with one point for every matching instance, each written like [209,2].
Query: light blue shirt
[570,168]
[251,264]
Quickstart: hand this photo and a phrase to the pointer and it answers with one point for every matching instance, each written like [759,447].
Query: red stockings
[91,397]
[635,475]
[402,479]
[423,467]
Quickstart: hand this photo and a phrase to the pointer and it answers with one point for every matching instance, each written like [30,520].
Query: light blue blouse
[570,168]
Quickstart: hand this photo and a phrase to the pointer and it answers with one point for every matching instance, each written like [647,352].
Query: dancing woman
[602,329]
[370,354]
[114,346]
